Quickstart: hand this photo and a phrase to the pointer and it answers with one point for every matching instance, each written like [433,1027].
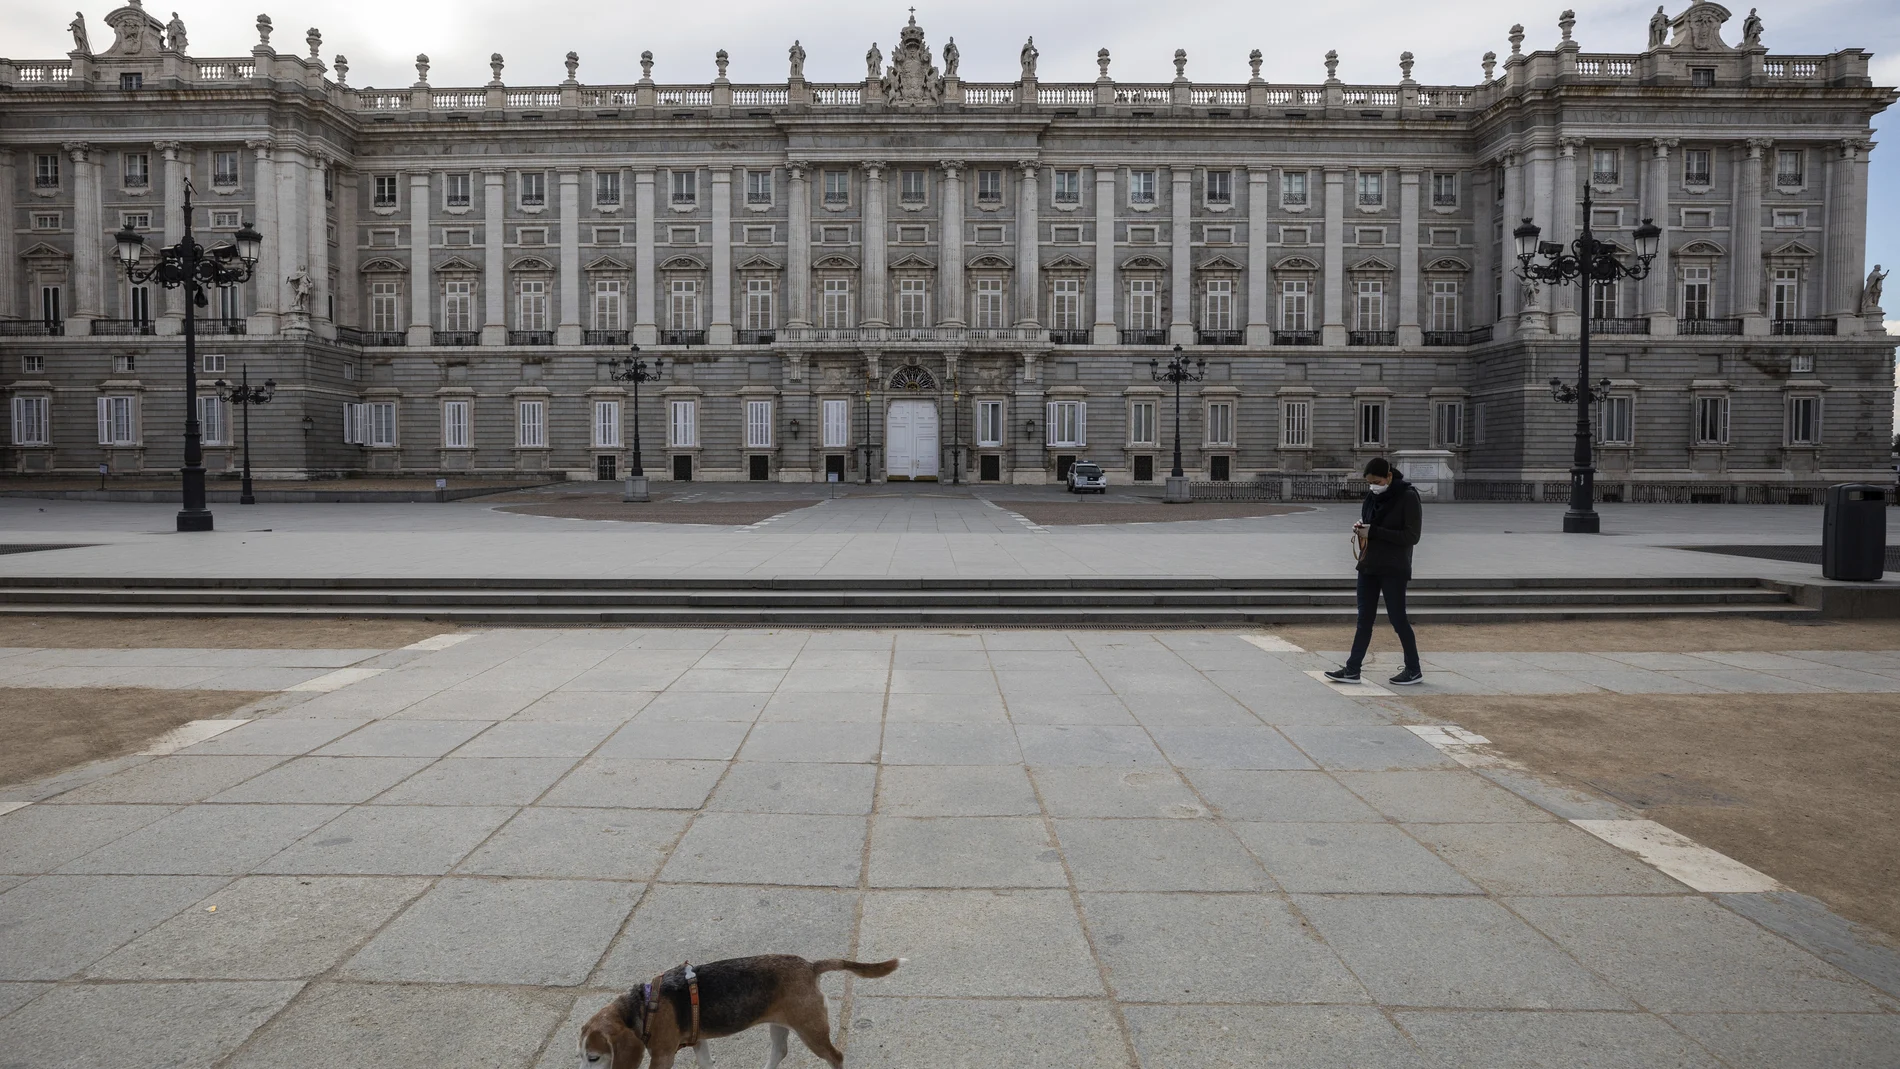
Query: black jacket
[1395,519]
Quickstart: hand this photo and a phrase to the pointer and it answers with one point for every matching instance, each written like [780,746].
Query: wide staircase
[882,602]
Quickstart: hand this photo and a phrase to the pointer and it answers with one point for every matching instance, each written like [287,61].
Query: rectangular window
[1141,187]
[1445,305]
[457,299]
[1790,220]
[1142,425]
[1804,421]
[609,304]
[989,303]
[1220,423]
[224,168]
[1616,427]
[1603,300]
[1444,189]
[1068,187]
[1786,297]
[139,304]
[1217,311]
[1695,167]
[913,303]
[1144,304]
[1371,423]
[131,81]
[837,188]
[989,423]
[1293,301]
[1065,304]
[138,170]
[911,187]
[1295,429]
[46,220]
[1604,168]
[1448,424]
[384,186]
[455,425]
[683,428]
[230,303]
[836,307]
[534,189]
[758,304]
[1293,188]
[607,189]
[1711,421]
[224,220]
[684,186]
[1702,77]
[125,363]
[1068,423]
[758,424]
[531,424]
[989,186]
[1371,188]
[212,428]
[456,190]
[30,419]
[383,312]
[1370,306]
[136,220]
[683,304]
[1790,168]
[1220,187]
[32,364]
[532,312]
[758,187]
[118,421]
[837,424]
[1696,286]
[211,363]
[46,171]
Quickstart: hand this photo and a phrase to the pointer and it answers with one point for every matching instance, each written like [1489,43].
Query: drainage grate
[1795,554]
[35,547]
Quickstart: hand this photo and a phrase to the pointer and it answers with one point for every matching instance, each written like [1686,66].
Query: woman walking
[1390,521]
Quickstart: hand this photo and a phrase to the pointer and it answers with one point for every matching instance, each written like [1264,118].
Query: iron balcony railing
[1710,326]
[604,337]
[1144,337]
[1786,327]
[530,337]
[1473,336]
[221,326]
[1296,337]
[1218,337]
[456,337]
[682,337]
[1372,337]
[757,337]
[1069,337]
[31,328]
[123,326]
[384,339]
[1619,325]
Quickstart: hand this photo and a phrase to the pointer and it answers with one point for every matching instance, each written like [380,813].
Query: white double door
[910,440]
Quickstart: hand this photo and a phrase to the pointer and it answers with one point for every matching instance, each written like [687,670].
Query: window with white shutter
[118,422]
[1068,423]
[1220,423]
[606,424]
[531,425]
[382,423]
[837,429]
[684,426]
[212,428]
[353,425]
[455,424]
[758,424]
[989,423]
[30,420]
[1295,429]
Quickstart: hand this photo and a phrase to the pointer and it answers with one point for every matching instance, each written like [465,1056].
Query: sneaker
[1407,678]
[1343,675]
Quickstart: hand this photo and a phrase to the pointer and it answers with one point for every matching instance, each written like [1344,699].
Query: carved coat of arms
[912,79]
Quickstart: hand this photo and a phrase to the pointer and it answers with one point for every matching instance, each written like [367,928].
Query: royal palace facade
[914,276]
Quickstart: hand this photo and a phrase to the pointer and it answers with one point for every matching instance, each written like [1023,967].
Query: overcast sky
[382,38]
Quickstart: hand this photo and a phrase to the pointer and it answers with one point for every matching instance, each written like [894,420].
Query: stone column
[1565,204]
[950,272]
[1656,288]
[876,246]
[720,331]
[319,245]
[172,225]
[1512,296]
[1410,333]
[88,242]
[269,255]
[1745,238]
[1181,262]
[349,283]
[9,261]
[568,330]
[646,330]
[1105,280]
[421,275]
[1847,236]
[494,269]
[1259,300]
[1333,287]
[797,247]
[1028,247]
[293,234]
[1539,168]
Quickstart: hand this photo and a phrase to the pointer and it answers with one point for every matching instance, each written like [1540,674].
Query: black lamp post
[635,370]
[194,268]
[1177,372]
[1589,261]
[246,395]
[956,436]
[868,379]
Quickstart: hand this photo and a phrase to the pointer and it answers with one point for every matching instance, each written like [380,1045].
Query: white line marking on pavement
[1468,748]
[1681,857]
[1359,689]
[336,680]
[1028,524]
[1270,643]
[441,642]
[8,807]
[188,734]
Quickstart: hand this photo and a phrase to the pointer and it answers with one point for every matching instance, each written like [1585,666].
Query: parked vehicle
[1086,476]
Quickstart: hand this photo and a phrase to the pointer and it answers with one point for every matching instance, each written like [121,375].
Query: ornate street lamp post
[1177,372]
[246,395]
[194,268]
[1588,261]
[635,370]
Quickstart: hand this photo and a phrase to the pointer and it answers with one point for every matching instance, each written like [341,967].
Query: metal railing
[757,337]
[682,337]
[1785,180]
[221,326]
[1296,337]
[1069,337]
[455,337]
[1218,337]
[1145,336]
[1619,325]
[1709,326]
[530,337]
[1458,337]
[384,339]
[31,328]
[1372,337]
[1788,327]
[123,326]
[604,337]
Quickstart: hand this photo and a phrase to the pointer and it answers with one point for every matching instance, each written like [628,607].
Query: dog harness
[650,1004]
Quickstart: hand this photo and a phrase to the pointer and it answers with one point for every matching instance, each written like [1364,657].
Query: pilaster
[264,319]
[720,330]
[646,329]
[1410,333]
[1538,196]
[292,235]
[420,295]
[1512,294]
[1333,287]
[1846,234]
[494,268]
[876,246]
[1565,201]
[1259,304]
[1028,246]
[9,255]
[172,225]
[1662,276]
[1181,265]
[318,246]
[797,246]
[1105,256]
[88,239]
[568,330]
[1745,237]
[950,271]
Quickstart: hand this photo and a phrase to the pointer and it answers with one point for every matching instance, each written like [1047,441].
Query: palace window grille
[138,170]
[1068,187]
[1444,189]
[911,187]
[534,189]
[758,187]
[46,171]
[385,191]
[1220,187]
[1293,188]
[1790,168]
[684,186]
[989,186]
[913,379]
[1371,186]
[1605,170]
[837,188]
[224,168]
[1141,187]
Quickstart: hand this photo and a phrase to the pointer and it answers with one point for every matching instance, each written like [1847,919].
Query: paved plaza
[1121,848]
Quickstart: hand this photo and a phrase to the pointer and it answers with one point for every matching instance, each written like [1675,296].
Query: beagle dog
[687,1005]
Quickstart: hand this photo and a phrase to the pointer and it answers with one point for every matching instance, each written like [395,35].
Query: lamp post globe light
[1177,371]
[246,395]
[635,370]
[1588,262]
[195,269]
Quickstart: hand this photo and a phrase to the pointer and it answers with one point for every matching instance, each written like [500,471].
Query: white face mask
[1378,488]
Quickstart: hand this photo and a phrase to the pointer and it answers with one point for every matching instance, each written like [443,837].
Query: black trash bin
[1854,533]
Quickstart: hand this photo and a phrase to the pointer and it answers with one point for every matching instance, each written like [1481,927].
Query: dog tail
[861,968]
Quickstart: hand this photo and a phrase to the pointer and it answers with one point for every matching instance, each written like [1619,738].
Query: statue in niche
[302,288]
[175,33]
[873,62]
[1028,58]
[1751,30]
[1870,294]
[951,57]
[1658,28]
[797,55]
[912,78]
[78,28]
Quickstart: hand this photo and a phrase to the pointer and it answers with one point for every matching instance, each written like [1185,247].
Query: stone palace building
[939,278]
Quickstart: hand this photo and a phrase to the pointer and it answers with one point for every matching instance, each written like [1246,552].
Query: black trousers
[1370,589]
